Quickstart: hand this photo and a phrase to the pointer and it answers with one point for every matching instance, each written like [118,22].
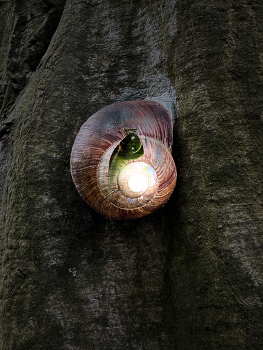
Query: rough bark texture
[188,277]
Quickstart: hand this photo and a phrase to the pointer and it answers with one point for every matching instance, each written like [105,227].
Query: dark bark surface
[187,277]
[217,258]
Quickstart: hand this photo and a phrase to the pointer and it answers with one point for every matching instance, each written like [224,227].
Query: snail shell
[135,187]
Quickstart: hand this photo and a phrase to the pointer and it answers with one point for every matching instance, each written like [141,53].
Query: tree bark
[187,277]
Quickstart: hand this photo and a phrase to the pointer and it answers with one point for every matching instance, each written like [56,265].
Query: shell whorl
[94,145]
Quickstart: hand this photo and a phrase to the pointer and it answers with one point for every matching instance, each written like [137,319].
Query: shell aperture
[129,148]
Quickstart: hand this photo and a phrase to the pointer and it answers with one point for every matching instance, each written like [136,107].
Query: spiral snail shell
[121,159]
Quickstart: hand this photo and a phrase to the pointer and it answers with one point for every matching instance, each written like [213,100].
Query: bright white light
[135,179]
[138,183]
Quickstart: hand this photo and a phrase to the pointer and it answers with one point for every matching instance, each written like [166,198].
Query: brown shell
[97,139]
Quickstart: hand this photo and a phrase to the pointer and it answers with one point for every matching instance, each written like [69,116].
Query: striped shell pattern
[135,186]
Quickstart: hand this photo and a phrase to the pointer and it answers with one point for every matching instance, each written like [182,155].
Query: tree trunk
[187,277]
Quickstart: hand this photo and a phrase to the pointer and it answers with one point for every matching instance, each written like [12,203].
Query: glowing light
[137,178]
[138,183]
